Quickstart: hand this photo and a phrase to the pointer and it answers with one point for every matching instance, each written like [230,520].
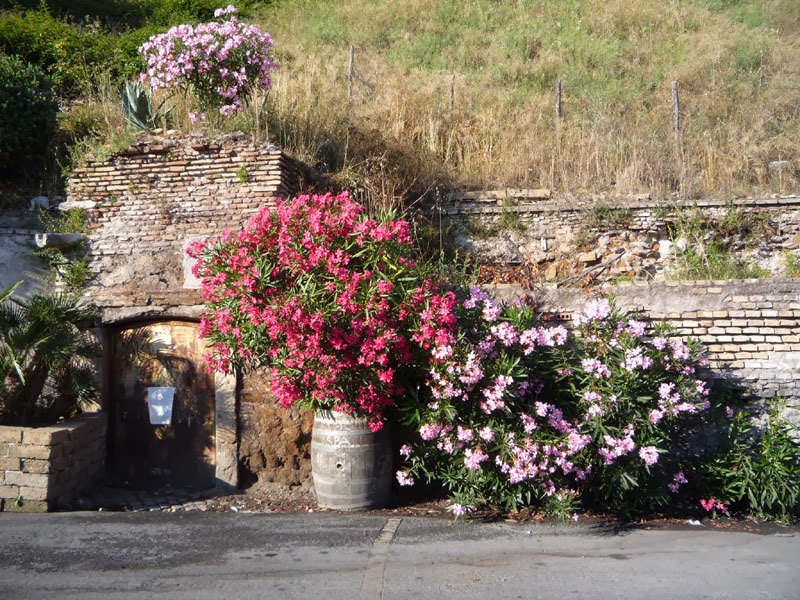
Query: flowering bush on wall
[221,62]
[517,413]
[330,302]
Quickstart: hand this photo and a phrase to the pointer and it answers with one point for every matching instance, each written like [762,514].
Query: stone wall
[147,204]
[751,328]
[17,259]
[275,443]
[143,207]
[529,236]
[44,468]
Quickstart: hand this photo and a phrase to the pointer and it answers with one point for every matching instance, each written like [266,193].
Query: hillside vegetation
[459,92]
[737,64]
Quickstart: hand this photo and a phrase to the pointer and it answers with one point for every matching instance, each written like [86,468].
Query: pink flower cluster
[594,310]
[325,299]
[677,481]
[711,504]
[616,447]
[220,62]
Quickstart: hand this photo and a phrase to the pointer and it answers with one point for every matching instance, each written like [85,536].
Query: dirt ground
[279,498]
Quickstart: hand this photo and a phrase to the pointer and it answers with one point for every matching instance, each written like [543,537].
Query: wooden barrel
[350,464]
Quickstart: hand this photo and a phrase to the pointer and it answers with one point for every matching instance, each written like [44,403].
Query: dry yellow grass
[739,84]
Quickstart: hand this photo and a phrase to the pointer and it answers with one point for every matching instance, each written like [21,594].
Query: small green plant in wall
[243,174]
[792,265]
[711,248]
[511,221]
[604,216]
[68,263]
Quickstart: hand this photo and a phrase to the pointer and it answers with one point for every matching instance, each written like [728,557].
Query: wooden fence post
[558,100]
[676,113]
[350,72]
[452,93]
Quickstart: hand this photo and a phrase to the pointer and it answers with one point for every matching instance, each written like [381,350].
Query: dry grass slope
[737,63]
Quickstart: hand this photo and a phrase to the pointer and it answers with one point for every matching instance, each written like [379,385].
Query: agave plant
[137,106]
[46,371]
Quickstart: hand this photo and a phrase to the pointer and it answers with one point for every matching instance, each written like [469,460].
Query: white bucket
[159,403]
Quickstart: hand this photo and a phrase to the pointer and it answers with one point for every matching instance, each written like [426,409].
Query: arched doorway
[152,356]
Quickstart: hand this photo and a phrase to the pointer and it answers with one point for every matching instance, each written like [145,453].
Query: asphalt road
[369,556]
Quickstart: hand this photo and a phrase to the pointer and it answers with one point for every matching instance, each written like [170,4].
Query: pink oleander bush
[221,62]
[638,394]
[330,303]
[518,413]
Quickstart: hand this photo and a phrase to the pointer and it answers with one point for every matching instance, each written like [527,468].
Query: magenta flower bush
[329,302]
[221,62]
[516,413]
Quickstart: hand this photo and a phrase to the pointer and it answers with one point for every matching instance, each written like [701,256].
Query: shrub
[220,62]
[74,56]
[329,302]
[45,357]
[27,113]
[515,413]
[758,472]
[637,395]
[485,429]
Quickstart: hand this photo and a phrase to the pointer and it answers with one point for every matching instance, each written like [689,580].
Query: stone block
[10,435]
[8,464]
[45,436]
[30,451]
[34,493]
[33,465]
[27,479]
[9,491]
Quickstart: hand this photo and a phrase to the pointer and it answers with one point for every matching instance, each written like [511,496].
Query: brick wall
[145,205]
[44,468]
[751,328]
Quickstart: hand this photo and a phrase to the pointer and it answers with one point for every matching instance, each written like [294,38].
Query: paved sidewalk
[107,498]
